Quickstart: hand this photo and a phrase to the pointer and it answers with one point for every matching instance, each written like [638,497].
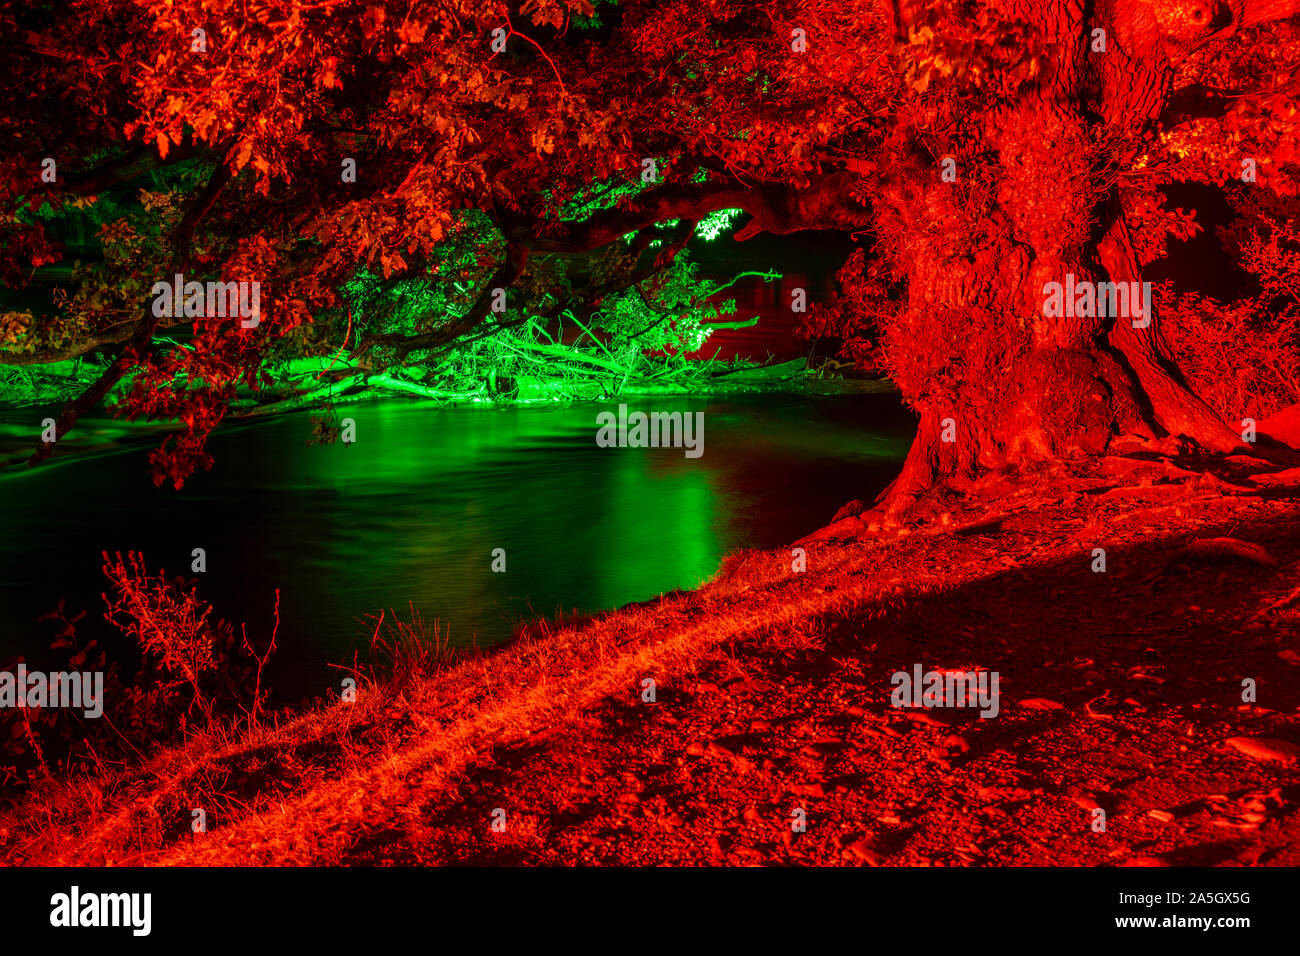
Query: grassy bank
[1120,690]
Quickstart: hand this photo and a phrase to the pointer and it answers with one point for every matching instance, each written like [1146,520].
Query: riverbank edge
[96,436]
[313,788]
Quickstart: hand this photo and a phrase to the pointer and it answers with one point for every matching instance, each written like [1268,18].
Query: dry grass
[313,788]
[355,764]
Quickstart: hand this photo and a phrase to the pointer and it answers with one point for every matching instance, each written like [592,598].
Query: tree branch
[774,207]
[1249,13]
[139,342]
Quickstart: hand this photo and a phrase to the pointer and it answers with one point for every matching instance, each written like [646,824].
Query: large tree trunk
[997,382]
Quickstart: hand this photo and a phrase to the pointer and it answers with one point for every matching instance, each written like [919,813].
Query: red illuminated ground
[1119,690]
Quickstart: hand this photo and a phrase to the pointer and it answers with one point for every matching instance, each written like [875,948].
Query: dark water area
[413,510]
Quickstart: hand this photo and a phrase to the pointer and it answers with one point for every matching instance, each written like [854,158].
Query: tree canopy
[384,169]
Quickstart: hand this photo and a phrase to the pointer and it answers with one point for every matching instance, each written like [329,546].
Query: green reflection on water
[413,510]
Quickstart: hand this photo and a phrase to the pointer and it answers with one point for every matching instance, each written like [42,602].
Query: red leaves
[438,122]
[372,21]
[412,31]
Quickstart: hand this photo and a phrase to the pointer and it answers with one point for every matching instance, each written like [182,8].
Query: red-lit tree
[1059,121]
[570,128]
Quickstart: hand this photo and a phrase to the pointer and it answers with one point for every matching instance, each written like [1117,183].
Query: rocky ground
[1121,690]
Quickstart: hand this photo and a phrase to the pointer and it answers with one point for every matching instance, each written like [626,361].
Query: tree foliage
[566,151]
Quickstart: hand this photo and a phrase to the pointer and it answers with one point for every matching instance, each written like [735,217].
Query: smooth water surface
[413,510]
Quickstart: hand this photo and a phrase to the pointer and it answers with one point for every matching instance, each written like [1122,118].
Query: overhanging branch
[825,203]
[148,323]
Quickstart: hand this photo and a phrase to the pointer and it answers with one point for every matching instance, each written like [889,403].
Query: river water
[414,508]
